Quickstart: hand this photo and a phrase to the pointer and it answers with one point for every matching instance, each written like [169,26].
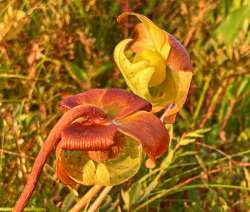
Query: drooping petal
[79,136]
[148,130]
[116,103]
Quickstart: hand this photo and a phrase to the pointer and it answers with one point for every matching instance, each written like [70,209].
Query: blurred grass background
[50,49]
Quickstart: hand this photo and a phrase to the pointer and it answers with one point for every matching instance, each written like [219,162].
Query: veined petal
[116,103]
[91,97]
[148,130]
[88,137]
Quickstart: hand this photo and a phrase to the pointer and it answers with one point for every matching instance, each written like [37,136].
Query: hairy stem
[49,144]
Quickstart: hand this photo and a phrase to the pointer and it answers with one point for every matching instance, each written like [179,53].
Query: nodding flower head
[155,65]
[99,140]
[105,145]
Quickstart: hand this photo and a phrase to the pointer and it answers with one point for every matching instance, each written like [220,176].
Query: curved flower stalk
[155,66]
[99,140]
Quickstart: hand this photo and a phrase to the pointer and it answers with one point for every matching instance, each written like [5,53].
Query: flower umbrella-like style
[99,140]
[155,66]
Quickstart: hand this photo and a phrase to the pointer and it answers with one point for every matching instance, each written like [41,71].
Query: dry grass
[49,49]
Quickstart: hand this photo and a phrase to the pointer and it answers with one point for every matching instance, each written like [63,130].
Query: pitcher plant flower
[99,140]
[155,65]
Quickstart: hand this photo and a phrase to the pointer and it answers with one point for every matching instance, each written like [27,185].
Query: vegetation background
[49,49]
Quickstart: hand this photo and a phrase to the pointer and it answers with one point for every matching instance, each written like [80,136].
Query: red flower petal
[178,58]
[92,97]
[88,137]
[116,103]
[61,172]
[148,130]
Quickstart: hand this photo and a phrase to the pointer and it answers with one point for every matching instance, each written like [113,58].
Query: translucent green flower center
[81,167]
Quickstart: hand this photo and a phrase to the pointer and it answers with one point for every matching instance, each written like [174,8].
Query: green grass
[61,47]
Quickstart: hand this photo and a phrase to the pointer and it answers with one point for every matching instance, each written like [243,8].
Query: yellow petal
[137,75]
[181,82]
[157,36]
[89,176]
[102,175]
[157,61]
